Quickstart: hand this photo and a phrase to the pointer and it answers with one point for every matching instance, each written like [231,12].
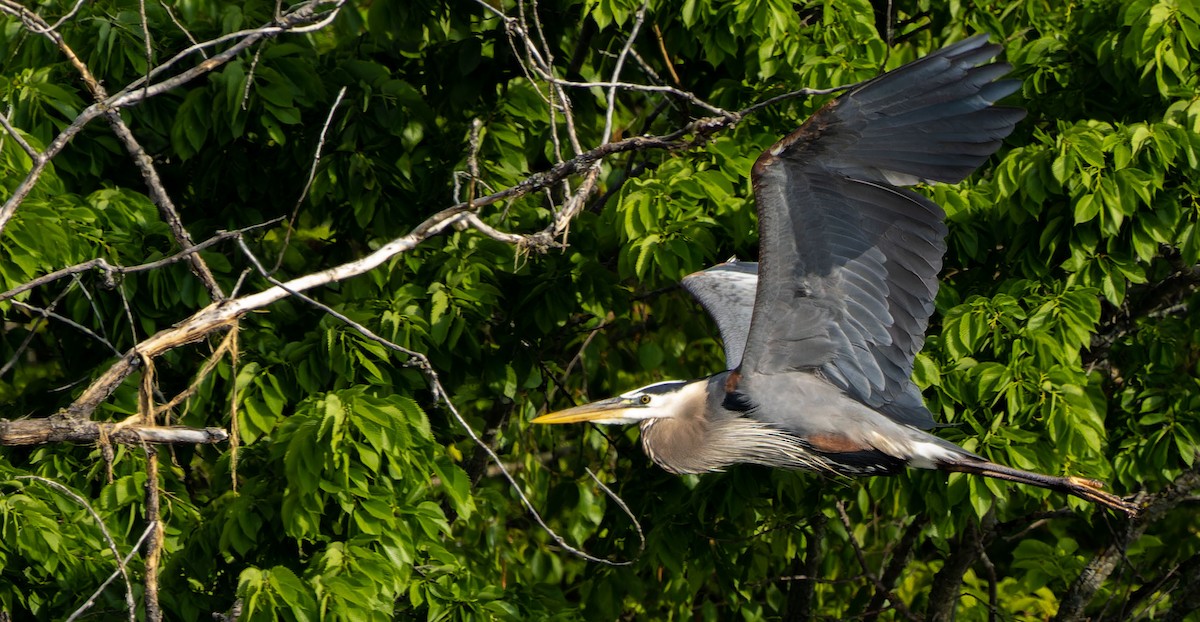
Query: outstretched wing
[727,292]
[848,260]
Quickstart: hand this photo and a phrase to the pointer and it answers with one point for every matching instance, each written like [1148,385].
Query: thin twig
[162,200]
[46,313]
[12,131]
[110,269]
[624,508]
[63,19]
[303,18]
[662,48]
[149,48]
[122,563]
[441,395]
[896,603]
[616,75]
[171,14]
[312,174]
[112,544]
[249,79]
[648,88]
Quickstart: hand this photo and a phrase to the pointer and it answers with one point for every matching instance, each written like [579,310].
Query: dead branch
[64,429]
[224,313]
[73,424]
[122,562]
[155,542]
[895,602]
[304,16]
[112,544]
[441,395]
[312,174]
[109,270]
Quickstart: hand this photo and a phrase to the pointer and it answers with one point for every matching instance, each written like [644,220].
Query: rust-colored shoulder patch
[835,443]
[732,380]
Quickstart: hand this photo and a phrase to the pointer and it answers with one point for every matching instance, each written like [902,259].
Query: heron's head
[661,400]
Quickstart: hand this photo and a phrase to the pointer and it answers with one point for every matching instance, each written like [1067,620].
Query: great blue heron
[820,334]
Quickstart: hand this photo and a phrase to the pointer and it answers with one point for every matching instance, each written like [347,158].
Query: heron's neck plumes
[677,443]
[695,437]
[676,440]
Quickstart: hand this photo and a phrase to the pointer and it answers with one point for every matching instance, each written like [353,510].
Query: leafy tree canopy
[327,134]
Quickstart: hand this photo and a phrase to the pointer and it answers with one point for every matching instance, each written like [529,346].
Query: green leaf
[456,485]
[1087,208]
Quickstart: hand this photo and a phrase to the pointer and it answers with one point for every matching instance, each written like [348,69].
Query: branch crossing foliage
[505,213]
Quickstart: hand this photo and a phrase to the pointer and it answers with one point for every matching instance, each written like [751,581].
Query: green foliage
[1063,340]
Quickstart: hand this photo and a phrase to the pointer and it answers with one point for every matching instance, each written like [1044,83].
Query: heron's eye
[645,399]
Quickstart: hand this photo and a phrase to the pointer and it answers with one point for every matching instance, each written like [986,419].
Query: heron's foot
[1092,490]
[1086,482]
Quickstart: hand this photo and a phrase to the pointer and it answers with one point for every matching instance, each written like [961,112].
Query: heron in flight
[820,334]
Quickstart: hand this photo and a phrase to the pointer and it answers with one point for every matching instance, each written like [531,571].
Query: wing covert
[726,291]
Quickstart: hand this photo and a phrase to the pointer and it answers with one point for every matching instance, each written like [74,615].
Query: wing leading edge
[848,258]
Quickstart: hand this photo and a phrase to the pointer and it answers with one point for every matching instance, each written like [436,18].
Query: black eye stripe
[661,388]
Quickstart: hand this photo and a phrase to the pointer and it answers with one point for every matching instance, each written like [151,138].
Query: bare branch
[39,163]
[896,603]
[110,270]
[12,131]
[122,564]
[146,43]
[158,193]
[624,508]
[441,395]
[1074,602]
[662,48]
[63,429]
[112,544]
[47,313]
[155,541]
[166,207]
[648,88]
[616,77]
[32,332]
[312,174]
[175,20]
[301,19]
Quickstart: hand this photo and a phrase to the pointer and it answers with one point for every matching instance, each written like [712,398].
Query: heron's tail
[1082,487]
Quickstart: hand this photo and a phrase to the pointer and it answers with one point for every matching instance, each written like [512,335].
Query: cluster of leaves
[1062,342]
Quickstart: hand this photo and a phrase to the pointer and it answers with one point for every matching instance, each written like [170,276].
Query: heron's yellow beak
[615,410]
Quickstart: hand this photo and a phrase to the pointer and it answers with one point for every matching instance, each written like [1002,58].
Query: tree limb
[64,429]
[1074,602]
[943,595]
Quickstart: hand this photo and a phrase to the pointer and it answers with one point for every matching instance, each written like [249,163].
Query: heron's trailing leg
[1082,487]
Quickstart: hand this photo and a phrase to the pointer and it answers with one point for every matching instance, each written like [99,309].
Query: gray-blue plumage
[849,258]
[821,333]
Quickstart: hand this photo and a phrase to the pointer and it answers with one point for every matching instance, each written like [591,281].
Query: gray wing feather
[727,292]
[848,259]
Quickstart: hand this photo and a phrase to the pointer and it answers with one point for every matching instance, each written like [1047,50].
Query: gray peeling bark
[65,429]
[1080,594]
[943,596]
